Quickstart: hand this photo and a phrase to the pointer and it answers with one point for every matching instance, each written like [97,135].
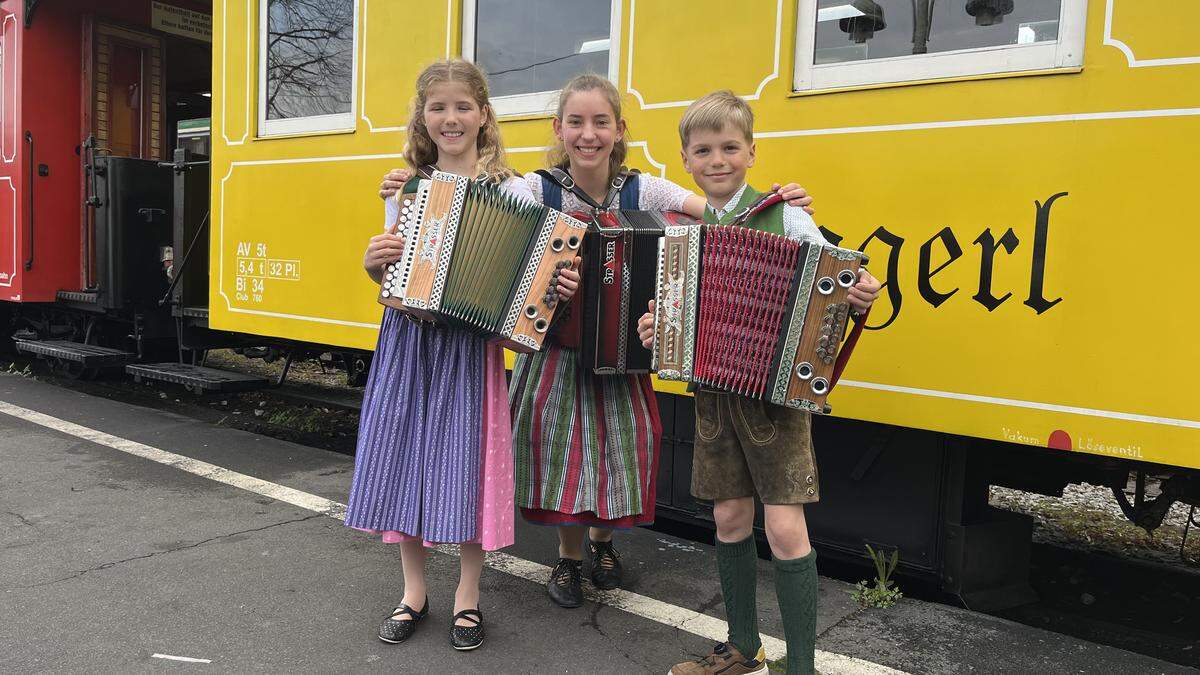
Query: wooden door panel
[126,92]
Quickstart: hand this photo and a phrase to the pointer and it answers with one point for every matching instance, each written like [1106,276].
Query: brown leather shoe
[725,659]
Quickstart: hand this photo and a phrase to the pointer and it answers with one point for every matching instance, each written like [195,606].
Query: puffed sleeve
[534,182]
[660,194]
[517,185]
[798,225]
[391,211]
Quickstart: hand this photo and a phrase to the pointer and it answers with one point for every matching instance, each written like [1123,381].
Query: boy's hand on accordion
[646,328]
[794,195]
[394,181]
[383,249]
[568,280]
[862,294]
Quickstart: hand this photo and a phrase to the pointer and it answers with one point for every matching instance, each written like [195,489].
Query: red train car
[80,80]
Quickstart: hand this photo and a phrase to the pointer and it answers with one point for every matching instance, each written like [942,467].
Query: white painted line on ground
[193,466]
[180,658]
[634,603]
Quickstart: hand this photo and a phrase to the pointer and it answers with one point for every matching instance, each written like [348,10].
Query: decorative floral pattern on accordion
[431,238]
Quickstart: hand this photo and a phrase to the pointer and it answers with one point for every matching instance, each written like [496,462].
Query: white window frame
[313,123]
[1067,52]
[540,102]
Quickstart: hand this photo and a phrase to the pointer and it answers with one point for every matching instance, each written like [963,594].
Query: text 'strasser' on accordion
[481,259]
[753,313]
[619,267]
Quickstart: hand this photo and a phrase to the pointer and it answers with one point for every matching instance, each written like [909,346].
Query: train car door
[122,112]
[123,87]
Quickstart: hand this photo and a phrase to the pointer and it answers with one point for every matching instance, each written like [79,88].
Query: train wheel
[77,371]
[71,369]
[357,369]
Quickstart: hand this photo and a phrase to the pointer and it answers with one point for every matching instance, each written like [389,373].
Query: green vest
[770,220]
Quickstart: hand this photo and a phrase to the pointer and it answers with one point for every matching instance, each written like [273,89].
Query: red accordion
[753,313]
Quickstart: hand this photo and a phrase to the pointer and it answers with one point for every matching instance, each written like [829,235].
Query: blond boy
[745,447]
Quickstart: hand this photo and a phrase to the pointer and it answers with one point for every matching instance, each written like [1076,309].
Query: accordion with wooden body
[481,259]
[619,267]
[753,313]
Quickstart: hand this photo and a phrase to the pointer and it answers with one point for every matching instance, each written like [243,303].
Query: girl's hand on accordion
[394,181]
[646,328]
[568,280]
[862,294]
[794,195]
[382,249]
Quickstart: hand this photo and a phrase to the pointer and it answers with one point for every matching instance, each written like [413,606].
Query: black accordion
[620,262]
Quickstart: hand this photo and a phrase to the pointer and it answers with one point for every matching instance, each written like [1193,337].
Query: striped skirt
[586,445]
[434,454]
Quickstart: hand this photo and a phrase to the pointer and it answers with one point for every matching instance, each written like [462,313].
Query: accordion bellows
[753,313]
[481,259]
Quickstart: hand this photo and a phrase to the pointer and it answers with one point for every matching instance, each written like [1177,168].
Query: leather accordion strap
[843,356]
[564,180]
[766,201]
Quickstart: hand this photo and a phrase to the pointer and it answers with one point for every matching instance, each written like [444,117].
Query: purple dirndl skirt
[429,437]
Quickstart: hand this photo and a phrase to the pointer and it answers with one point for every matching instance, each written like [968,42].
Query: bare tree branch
[309,57]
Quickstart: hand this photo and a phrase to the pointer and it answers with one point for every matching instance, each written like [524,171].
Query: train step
[198,379]
[79,296]
[88,356]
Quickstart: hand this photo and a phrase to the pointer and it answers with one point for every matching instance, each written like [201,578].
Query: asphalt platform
[127,545]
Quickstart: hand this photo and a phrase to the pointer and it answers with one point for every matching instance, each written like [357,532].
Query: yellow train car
[1018,172]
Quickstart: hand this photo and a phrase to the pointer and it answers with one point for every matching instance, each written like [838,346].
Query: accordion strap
[843,356]
[564,180]
[763,203]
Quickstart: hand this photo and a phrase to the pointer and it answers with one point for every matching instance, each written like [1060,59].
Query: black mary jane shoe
[396,630]
[606,566]
[466,638]
[565,587]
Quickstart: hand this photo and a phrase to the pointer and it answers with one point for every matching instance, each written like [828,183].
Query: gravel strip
[1087,518]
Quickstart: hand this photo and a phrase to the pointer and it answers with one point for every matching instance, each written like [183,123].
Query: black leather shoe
[565,580]
[402,623]
[466,638]
[606,566]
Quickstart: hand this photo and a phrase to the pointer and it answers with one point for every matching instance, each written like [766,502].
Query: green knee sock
[737,563]
[796,588]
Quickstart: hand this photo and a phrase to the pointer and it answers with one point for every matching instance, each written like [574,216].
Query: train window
[307,70]
[848,43]
[527,65]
